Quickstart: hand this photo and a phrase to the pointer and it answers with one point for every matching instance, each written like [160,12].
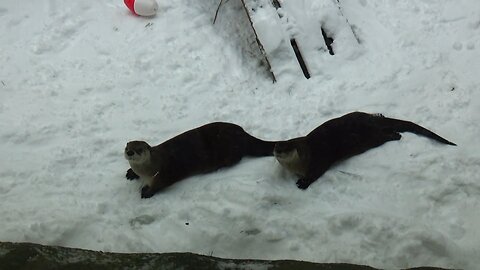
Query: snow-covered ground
[81,78]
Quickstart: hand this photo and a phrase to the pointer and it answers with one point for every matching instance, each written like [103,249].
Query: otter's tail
[258,148]
[407,126]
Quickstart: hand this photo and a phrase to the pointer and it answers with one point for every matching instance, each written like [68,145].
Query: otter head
[137,152]
[287,154]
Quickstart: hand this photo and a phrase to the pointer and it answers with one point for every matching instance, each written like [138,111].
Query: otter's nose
[130,153]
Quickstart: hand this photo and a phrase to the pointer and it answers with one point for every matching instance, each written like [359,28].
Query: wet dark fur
[344,137]
[201,150]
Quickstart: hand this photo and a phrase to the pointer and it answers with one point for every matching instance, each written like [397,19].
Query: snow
[81,78]
[269,28]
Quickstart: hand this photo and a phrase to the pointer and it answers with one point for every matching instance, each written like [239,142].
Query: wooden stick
[296,50]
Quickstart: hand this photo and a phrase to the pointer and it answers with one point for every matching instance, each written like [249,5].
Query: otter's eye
[139,151]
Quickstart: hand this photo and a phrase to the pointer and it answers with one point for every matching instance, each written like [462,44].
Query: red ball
[131,5]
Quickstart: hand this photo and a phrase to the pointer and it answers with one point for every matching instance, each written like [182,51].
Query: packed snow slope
[81,78]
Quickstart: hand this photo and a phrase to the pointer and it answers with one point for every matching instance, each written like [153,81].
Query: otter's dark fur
[200,150]
[340,138]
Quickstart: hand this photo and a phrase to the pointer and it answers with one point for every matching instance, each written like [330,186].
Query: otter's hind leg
[392,136]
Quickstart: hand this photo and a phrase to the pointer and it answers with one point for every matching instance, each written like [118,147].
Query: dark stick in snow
[293,42]
[298,54]
[328,41]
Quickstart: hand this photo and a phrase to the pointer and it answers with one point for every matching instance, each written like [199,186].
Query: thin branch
[216,13]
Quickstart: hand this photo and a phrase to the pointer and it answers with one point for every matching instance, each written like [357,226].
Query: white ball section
[142,7]
[145,7]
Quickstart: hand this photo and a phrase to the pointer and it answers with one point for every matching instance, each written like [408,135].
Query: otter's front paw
[147,192]
[131,175]
[303,183]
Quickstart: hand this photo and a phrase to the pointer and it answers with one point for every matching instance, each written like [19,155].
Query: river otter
[340,138]
[200,150]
